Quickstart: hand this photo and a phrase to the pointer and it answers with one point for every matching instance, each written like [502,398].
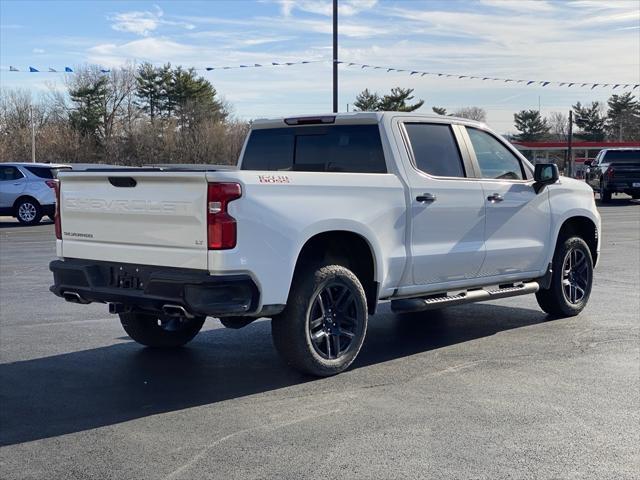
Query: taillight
[50,183]
[56,186]
[609,172]
[221,227]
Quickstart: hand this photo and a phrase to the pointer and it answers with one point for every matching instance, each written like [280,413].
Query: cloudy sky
[564,41]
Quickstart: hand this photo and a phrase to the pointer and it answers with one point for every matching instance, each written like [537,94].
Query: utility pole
[335,56]
[569,145]
[33,138]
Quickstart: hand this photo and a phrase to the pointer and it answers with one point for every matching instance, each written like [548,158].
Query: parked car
[324,218]
[615,170]
[27,190]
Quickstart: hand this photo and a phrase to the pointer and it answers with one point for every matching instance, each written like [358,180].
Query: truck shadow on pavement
[77,391]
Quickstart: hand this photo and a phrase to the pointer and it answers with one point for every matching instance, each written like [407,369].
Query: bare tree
[472,113]
[558,125]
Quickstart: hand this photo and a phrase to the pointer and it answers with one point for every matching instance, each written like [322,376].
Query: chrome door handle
[495,197]
[426,198]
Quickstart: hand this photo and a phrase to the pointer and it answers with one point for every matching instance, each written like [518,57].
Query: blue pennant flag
[635,86]
[31,69]
[594,85]
[616,86]
[584,84]
[307,61]
[413,72]
[275,63]
[13,69]
[544,84]
[104,70]
[376,68]
[462,76]
[68,69]
[208,69]
[257,65]
[290,63]
[364,66]
[243,66]
[226,68]
[390,69]
[562,84]
[571,85]
[530,82]
[53,70]
[424,73]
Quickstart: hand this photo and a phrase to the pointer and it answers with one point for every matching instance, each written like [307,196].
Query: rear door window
[336,148]
[435,150]
[10,173]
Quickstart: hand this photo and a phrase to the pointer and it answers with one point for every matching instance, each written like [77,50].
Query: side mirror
[545,174]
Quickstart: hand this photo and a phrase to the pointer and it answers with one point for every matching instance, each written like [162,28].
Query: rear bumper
[625,185]
[145,287]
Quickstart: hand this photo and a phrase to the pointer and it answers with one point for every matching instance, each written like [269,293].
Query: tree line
[133,115]
[619,120]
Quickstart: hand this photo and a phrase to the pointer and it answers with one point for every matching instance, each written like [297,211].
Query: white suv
[27,190]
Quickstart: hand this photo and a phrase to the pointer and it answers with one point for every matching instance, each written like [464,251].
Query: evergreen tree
[531,125]
[397,100]
[367,101]
[623,117]
[88,95]
[192,99]
[589,119]
[150,89]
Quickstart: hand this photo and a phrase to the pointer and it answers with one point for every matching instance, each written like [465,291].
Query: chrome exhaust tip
[176,311]
[74,297]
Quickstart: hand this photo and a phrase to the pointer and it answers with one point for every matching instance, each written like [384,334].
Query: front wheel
[28,211]
[160,331]
[571,280]
[322,329]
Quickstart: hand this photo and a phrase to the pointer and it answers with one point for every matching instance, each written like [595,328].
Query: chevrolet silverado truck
[322,219]
[615,170]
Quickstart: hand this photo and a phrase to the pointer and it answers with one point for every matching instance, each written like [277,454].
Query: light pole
[33,138]
[335,56]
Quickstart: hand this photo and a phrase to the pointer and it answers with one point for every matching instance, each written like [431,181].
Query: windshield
[622,156]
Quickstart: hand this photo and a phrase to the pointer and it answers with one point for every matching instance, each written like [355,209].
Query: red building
[557,152]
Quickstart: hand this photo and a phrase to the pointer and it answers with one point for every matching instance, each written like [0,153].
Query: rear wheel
[28,211]
[605,195]
[571,281]
[322,329]
[160,331]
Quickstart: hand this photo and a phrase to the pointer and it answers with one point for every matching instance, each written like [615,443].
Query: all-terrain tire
[562,299]
[315,348]
[160,331]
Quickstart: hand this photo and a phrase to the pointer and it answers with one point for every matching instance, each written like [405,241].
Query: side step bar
[406,305]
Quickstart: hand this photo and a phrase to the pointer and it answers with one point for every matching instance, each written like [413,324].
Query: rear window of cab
[332,148]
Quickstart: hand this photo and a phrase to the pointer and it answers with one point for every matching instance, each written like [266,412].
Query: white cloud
[527,6]
[38,50]
[346,8]
[143,22]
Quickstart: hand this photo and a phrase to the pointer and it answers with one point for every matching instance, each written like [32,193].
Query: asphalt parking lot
[486,391]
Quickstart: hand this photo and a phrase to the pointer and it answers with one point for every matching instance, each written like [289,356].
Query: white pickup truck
[323,218]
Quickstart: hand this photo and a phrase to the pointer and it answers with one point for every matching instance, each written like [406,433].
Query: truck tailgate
[142,217]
